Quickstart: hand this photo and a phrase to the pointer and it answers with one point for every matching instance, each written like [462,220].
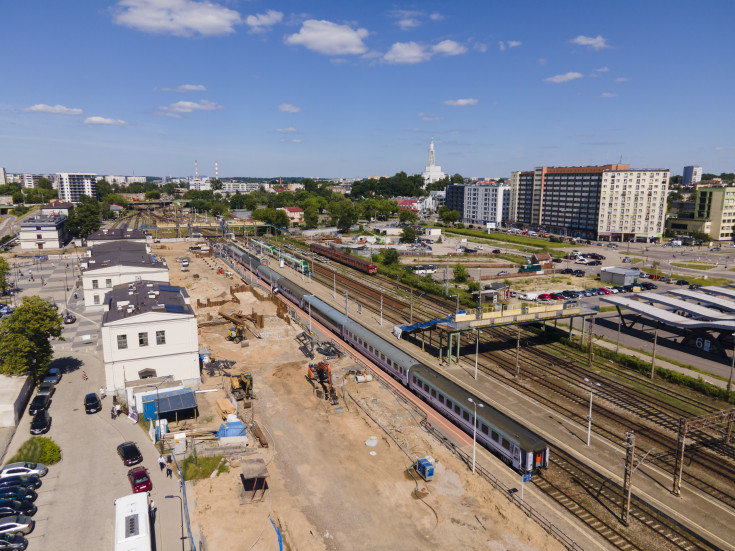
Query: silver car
[15,469]
[16,524]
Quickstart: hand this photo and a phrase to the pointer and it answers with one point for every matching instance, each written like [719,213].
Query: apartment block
[691,176]
[72,185]
[486,203]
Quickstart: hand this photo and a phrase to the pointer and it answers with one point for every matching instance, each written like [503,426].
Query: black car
[41,422]
[9,507]
[695,286]
[496,251]
[578,273]
[594,263]
[129,453]
[12,541]
[18,492]
[620,289]
[27,481]
[92,403]
[557,260]
[39,403]
[682,282]
[566,271]
[570,294]
[648,286]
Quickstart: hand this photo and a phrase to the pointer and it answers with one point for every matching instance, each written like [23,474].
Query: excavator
[242,386]
[321,373]
[236,333]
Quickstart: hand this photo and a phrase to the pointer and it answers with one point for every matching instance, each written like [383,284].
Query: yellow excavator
[321,373]
[236,334]
[242,386]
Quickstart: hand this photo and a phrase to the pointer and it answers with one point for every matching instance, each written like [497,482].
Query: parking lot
[76,501]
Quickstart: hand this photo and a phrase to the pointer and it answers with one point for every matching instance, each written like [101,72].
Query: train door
[538,459]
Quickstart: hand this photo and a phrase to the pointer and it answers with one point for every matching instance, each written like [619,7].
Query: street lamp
[589,417]
[732,366]
[181,511]
[158,406]
[474,431]
[457,309]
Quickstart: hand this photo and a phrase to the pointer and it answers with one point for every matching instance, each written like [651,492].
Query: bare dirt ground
[327,489]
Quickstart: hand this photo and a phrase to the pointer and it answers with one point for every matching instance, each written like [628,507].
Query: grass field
[694,265]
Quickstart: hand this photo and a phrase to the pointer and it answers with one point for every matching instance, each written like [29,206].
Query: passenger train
[357,263]
[516,445]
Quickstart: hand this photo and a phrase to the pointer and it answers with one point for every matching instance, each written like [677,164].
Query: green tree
[45,183]
[449,216]
[390,257]
[154,195]
[311,216]
[460,273]
[281,219]
[103,188]
[408,217]
[216,184]
[409,235]
[457,179]
[84,219]
[26,336]
[4,271]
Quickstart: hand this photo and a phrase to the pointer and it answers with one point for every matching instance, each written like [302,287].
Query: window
[96,299]
[95,284]
[506,444]
[433,393]
[483,428]
[495,436]
[108,283]
[142,339]
[122,342]
[441,399]
[466,415]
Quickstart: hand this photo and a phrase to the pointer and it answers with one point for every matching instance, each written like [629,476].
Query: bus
[132,523]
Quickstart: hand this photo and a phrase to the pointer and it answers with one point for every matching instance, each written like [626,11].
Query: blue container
[425,468]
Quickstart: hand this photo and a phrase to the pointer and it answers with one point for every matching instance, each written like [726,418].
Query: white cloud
[449,47]
[261,22]
[436,16]
[461,102]
[542,61]
[293,140]
[186,88]
[288,108]
[410,19]
[480,47]
[508,44]
[55,109]
[285,130]
[176,17]
[566,77]
[105,121]
[501,46]
[429,117]
[608,95]
[175,110]
[408,23]
[407,52]
[329,38]
[602,70]
[596,43]
[622,79]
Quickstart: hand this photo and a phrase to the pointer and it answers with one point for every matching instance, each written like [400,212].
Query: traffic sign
[527,477]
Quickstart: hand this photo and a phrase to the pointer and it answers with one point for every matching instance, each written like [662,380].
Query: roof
[173,400]
[542,256]
[293,209]
[43,220]
[406,201]
[56,204]
[644,307]
[115,234]
[133,299]
[129,253]
[622,271]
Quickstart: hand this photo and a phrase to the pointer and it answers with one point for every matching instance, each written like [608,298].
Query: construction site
[316,450]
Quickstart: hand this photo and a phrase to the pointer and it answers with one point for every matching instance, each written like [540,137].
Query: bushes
[38,450]
[203,468]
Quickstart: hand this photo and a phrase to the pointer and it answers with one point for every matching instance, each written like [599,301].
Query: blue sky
[354,89]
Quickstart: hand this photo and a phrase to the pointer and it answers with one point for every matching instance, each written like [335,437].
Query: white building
[691,176]
[56,207]
[242,187]
[43,232]
[200,184]
[432,172]
[72,185]
[432,202]
[486,204]
[3,177]
[149,330]
[116,263]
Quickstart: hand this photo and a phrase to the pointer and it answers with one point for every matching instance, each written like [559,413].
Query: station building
[43,232]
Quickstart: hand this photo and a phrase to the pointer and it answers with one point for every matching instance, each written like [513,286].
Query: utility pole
[381,308]
[620,320]
[518,351]
[628,479]
[410,304]
[589,357]
[347,310]
[653,354]
[334,288]
[446,280]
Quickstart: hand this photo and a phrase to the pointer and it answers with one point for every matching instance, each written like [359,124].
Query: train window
[483,428]
[449,403]
[466,415]
[456,409]
[506,444]
[495,436]
[414,379]
[441,399]
[433,393]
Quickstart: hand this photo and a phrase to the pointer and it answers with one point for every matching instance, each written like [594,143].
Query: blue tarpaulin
[398,330]
[233,428]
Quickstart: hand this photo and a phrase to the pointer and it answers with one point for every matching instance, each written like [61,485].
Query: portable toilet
[425,468]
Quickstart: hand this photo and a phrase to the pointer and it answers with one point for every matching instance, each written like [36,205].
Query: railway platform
[694,509]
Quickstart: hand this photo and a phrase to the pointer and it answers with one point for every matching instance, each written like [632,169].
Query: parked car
[695,286]
[578,273]
[604,290]
[666,279]
[570,294]
[41,422]
[12,541]
[129,453]
[594,263]
[545,296]
[139,479]
[612,290]
[23,468]
[682,282]
[69,318]
[496,251]
[648,286]
[28,481]
[566,271]
[16,524]
[620,289]
[92,403]
[557,260]
[599,244]
[556,296]
[612,246]
[53,375]
[46,389]
[654,277]
[16,507]
[18,492]
[503,272]
[38,403]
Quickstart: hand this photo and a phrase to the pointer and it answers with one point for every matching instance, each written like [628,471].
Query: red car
[140,480]
[545,296]
[557,296]
[654,277]
[606,291]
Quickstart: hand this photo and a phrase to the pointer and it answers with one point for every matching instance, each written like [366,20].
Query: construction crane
[321,373]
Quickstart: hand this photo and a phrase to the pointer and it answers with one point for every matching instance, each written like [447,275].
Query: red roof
[293,209]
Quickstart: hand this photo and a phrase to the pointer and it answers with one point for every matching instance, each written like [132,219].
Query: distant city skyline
[351,90]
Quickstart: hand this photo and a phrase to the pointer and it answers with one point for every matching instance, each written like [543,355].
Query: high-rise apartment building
[72,185]
[454,197]
[611,202]
[692,175]
[3,177]
[486,203]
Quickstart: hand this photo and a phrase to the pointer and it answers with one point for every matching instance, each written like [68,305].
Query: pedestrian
[102,392]
[161,462]
[117,408]
[112,413]
[84,375]
[169,472]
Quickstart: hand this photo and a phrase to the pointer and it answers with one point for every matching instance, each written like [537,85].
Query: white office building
[149,330]
[72,185]
[43,232]
[200,184]
[242,187]
[486,204]
[116,263]
[3,177]
[691,176]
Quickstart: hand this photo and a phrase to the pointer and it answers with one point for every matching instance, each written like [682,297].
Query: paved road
[76,500]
